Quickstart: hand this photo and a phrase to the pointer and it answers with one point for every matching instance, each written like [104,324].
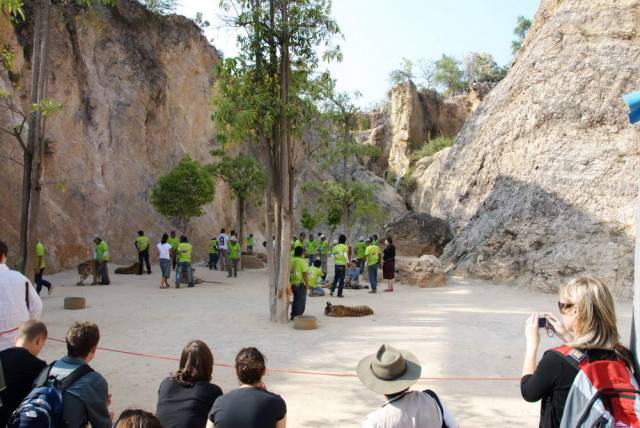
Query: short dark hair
[140,233]
[4,249]
[375,237]
[137,418]
[173,232]
[196,363]
[32,329]
[317,263]
[354,261]
[342,239]
[183,238]
[165,238]
[82,338]
[222,230]
[389,240]
[297,252]
[250,366]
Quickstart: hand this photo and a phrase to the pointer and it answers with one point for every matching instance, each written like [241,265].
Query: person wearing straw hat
[392,372]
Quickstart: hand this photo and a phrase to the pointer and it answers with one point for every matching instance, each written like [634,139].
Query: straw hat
[389,370]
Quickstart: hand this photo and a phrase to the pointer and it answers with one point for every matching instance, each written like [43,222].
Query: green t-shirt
[298,243]
[323,246]
[174,242]
[234,250]
[184,252]
[102,251]
[250,241]
[298,267]
[312,247]
[213,246]
[372,253]
[360,249]
[40,254]
[315,273]
[338,253]
[142,243]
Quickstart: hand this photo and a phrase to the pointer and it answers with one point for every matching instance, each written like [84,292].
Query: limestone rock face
[542,182]
[424,272]
[136,90]
[417,234]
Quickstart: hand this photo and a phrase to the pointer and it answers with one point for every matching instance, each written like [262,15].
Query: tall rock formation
[136,90]
[542,182]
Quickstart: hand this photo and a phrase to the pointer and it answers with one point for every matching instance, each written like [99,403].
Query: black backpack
[42,408]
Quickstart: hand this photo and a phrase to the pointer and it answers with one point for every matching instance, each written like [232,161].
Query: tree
[427,72]
[161,7]
[200,21]
[403,74]
[182,192]
[481,67]
[449,75]
[522,28]
[266,95]
[309,221]
[245,177]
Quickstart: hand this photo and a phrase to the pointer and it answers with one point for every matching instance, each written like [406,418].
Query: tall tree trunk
[241,207]
[24,208]
[35,140]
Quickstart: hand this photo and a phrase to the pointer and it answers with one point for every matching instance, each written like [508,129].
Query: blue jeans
[373,276]
[103,271]
[312,259]
[338,278]
[299,300]
[41,282]
[182,267]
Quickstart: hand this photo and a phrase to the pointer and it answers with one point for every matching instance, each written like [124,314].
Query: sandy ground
[465,330]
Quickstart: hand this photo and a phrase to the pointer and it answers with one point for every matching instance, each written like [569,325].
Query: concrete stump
[74,303]
[305,322]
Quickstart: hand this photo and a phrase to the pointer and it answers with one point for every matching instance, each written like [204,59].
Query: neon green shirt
[314,274]
[213,246]
[250,241]
[338,253]
[234,250]
[323,247]
[360,249]
[40,255]
[174,242]
[298,268]
[312,247]
[372,253]
[184,252]
[142,243]
[298,243]
[102,251]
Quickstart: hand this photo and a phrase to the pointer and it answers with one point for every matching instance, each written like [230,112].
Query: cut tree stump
[74,303]
[305,322]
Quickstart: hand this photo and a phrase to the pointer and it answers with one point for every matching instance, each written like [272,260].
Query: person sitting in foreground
[185,398]
[314,274]
[353,276]
[391,372]
[136,418]
[21,366]
[587,325]
[251,405]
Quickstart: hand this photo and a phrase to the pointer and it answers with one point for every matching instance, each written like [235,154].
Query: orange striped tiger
[347,311]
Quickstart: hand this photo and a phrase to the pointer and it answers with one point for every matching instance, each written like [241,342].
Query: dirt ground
[463,334]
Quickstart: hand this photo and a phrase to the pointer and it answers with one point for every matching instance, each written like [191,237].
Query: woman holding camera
[587,323]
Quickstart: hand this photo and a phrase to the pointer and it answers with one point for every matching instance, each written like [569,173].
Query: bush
[431,147]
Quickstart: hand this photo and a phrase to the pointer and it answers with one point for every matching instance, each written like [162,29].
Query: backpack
[604,393]
[435,397]
[42,408]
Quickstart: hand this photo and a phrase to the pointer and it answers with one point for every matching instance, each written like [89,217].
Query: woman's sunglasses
[564,306]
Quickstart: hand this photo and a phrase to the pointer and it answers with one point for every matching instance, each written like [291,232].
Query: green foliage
[403,74]
[200,21]
[481,67]
[8,58]
[161,7]
[522,28]
[431,147]
[334,217]
[182,192]
[14,8]
[47,107]
[449,75]
[92,3]
[309,221]
[244,174]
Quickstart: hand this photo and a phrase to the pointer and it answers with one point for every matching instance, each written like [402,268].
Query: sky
[377,34]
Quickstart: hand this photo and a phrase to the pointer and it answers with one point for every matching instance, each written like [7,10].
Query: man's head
[183,239]
[322,237]
[342,239]
[222,230]
[173,233]
[302,236]
[4,252]
[297,252]
[311,237]
[97,239]
[251,235]
[140,233]
[317,263]
[354,263]
[375,237]
[82,340]
[32,336]
[361,239]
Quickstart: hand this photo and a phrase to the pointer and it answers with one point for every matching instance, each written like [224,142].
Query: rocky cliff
[542,182]
[136,90]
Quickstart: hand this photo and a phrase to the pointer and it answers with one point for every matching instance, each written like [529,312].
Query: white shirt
[223,240]
[13,305]
[163,250]
[413,409]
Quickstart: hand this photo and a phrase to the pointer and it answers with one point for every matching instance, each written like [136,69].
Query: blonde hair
[596,315]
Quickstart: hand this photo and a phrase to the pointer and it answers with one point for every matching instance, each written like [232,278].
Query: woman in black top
[251,405]
[185,398]
[588,324]
[389,263]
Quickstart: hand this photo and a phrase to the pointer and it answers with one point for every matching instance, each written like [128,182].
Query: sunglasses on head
[564,306]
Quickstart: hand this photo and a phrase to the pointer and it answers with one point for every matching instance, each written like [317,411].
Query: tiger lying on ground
[347,311]
[90,267]
[128,270]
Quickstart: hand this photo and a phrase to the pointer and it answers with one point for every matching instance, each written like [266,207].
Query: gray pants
[224,259]
[233,267]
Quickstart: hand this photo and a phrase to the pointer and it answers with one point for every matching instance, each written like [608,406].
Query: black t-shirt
[20,370]
[248,408]
[552,381]
[389,252]
[182,406]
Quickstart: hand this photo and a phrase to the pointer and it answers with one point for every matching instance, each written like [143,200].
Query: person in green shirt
[213,253]
[300,242]
[315,273]
[312,249]
[40,265]
[183,253]
[250,243]
[299,280]
[102,257]
[372,255]
[323,252]
[174,242]
[360,248]
[340,256]
[234,256]
[142,244]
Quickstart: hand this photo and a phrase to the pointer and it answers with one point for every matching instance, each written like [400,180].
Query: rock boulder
[423,272]
[417,234]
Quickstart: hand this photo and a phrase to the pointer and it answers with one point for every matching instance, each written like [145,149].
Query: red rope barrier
[304,372]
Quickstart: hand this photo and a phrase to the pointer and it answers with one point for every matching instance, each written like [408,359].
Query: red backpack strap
[571,355]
